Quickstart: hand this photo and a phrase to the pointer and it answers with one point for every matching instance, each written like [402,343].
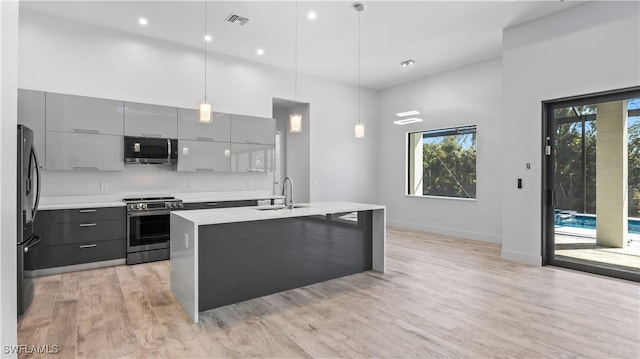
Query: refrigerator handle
[35,240]
[35,206]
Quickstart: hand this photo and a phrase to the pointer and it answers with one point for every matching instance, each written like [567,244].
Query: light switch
[186,240]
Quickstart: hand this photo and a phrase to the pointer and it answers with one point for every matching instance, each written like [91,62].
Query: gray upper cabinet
[83,151]
[79,114]
[144,120]
[190,129]
[252,158]
[31,114]
[252,130]
[203,156]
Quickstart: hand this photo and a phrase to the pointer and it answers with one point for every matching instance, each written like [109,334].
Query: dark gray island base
[225,256]
[253,259]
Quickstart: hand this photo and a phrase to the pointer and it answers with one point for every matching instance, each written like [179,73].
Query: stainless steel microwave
[150,150]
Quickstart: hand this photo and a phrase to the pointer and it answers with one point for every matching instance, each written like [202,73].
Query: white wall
[61,55]
[587,48]
[8,219]
[464,96]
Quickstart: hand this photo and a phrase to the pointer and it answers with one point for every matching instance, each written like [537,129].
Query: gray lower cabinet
[221,204]
[145,120]
[77,236]
[81,151]
[252,158]
[31,110]
[203,156]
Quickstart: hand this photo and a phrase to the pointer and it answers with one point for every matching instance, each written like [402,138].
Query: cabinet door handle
[88,224]
[151,135]
[211,204]
[87,210]
[88,246]
[204,139]
[83,130]
[204,169]
[253,143]
[80,168]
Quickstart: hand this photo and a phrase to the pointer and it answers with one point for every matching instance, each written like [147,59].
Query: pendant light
[359,128]
[295,119]
[205,108]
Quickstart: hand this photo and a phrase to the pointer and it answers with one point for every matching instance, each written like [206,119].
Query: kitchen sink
[279,207]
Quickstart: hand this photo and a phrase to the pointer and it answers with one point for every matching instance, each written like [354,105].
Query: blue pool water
[572,219]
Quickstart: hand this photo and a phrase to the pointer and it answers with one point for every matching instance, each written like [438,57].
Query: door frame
[547,177]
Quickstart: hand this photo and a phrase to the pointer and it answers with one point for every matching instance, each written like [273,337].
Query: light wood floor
[441,298]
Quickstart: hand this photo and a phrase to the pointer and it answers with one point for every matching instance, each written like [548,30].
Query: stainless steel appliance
[148,228]
[150,150]
[28,196]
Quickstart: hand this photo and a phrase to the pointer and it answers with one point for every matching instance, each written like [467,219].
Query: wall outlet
[249,184]
[190,185]
[186,240]
[104,186]
[315,183]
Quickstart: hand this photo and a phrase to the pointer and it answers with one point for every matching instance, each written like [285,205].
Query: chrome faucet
[284,191]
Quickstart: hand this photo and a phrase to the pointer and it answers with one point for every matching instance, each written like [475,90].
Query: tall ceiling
[438,35]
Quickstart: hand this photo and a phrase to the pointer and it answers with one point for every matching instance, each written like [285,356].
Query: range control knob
[144,205]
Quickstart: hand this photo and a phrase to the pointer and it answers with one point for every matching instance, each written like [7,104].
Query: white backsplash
[150,179]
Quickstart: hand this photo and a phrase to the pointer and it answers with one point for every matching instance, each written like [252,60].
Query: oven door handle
[152,213]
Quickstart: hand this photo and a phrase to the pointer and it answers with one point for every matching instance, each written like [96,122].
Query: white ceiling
[438,35]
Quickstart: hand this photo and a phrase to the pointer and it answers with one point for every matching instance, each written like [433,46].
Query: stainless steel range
[148,228]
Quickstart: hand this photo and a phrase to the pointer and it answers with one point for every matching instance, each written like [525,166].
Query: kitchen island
[228,255]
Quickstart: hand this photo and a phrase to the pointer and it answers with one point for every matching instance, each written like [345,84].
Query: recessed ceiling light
[311,15]
[208,38]
[260,52]
[406,121]
[407,63]
[408,113]
[142,21]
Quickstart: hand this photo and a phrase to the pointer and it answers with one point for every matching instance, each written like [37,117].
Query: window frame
[407,139]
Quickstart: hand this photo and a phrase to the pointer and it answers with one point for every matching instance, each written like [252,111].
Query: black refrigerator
[27,198]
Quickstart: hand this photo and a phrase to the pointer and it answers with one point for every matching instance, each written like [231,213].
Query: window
[442,162]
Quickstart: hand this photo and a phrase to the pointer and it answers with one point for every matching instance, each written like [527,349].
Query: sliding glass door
[591,191]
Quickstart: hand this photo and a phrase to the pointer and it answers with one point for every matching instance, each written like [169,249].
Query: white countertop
[97,201]
[245,214]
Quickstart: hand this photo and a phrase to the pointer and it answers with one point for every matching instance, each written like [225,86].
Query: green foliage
[450,167]
[570,189]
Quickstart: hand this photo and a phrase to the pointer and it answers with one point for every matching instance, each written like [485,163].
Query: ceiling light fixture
[295,119]
[407,63]
[205,108]
[260,52]
[408,113]
[143,21]
[312,15]
[406,121]
[359,128]
[208,38]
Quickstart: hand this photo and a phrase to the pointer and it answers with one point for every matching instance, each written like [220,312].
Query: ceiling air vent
[237,19]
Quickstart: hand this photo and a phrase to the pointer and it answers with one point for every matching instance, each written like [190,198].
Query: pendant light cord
[359,64]
[295,55]
[205,51]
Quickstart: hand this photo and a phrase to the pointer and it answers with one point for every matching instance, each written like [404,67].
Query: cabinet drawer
[81,232]
[81,215]
[48,257]
[221,204]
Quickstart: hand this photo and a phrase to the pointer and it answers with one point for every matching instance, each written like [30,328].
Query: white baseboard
[476,236]
[520,257]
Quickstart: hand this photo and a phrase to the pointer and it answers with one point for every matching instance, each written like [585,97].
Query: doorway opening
[591,183]
[292,149]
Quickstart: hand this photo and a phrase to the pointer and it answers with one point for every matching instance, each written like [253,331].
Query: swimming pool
[573,219]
